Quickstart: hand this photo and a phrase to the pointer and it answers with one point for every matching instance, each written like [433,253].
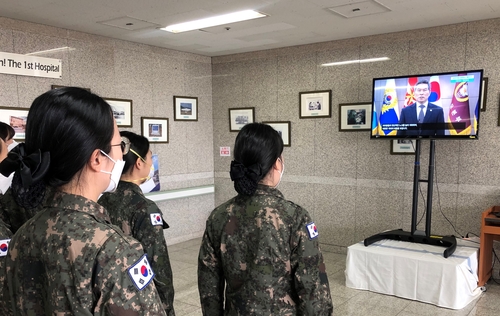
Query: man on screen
[428,117]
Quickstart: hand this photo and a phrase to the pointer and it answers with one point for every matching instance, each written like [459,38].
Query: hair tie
[238,171]
[30,168]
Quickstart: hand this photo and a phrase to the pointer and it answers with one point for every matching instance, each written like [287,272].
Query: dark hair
[139,144]
[6,131]
[424,82]
[256,149]
[64,126]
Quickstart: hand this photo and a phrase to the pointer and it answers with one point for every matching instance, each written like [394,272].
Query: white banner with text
[23,65]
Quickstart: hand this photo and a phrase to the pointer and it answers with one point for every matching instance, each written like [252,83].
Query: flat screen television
[434,106]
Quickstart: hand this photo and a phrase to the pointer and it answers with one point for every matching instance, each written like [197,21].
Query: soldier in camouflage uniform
[14,214]
[259,248]
[5,236]
[69,259]
[140,217]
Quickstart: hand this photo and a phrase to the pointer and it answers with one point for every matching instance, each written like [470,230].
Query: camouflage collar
[125,185]
[79,203]
[267,190]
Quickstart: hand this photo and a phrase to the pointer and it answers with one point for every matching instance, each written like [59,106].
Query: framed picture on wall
[15,117]
[54,86]
[239,117]
[155,129]
[314,104]
[284,129]
[403,147]
[185,108]
[122,111]
[355,117]
[484,94]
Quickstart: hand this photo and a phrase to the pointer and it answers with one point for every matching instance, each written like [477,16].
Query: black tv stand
[418,236]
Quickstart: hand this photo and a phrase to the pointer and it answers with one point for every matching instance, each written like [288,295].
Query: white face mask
[115,173]
[148,186]
[12,145]
[151,172]
[281,173]
[5,182]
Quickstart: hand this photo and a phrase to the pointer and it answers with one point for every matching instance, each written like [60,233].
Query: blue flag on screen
[374,122]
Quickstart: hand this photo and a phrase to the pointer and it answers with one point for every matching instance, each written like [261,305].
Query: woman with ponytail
[140,217]
[260,253]
[68,259]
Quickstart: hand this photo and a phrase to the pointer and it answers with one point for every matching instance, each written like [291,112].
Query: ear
[139,163]
[96,161]
[277,165]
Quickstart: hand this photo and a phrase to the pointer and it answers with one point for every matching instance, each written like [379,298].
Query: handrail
[180,193]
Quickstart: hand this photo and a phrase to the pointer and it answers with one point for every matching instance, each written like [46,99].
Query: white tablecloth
[415,271]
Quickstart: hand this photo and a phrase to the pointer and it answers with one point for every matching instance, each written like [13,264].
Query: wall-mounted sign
[225,151]
[23,65]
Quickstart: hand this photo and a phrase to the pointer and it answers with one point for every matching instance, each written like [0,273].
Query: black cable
[425,204]
[493,266]
[421,193]
[439,200]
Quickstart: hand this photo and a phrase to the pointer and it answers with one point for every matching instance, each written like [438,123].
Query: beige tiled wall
[350,184]
[150,77]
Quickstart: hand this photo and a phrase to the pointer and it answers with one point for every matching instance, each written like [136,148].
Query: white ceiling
[290,22]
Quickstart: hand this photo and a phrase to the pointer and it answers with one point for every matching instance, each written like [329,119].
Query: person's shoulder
[223,209]
[288,207]
[434,106]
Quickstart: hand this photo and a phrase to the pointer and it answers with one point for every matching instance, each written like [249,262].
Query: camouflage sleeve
[210,278]
[122,283]
[153,241]
[5,235]
[309,271]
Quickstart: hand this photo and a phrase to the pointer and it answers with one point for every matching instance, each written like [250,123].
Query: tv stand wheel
[483,288]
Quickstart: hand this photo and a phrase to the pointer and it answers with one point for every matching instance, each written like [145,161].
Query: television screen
[439,105]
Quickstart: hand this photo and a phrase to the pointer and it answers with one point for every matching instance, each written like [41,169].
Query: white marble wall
[150,77]
[351,185]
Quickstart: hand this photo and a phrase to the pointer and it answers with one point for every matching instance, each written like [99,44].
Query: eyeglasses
[124,145]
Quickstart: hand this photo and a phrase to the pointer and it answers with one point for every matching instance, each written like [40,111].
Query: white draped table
[416,271]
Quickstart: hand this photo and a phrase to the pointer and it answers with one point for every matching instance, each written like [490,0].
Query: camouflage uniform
[69,260]
[5,236]
[130,210]
[258,247]
[13,214]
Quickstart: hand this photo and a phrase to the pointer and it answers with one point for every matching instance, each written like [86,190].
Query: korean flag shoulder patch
[141,273]
[312,230]
[156,219]
[4,247]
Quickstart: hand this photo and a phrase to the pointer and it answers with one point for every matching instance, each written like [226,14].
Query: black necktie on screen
[421,114]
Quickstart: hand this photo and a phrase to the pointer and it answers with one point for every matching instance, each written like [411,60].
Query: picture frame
[355,117]
[55,86]
[284,129]
[185,108]
[315,104]
[155,129]
[122,111]
[403,147]
[15,117]
[239,117]
[484,94]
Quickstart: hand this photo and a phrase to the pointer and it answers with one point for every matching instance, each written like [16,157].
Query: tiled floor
[346,301]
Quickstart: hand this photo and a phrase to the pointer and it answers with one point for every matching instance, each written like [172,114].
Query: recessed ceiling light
[214,21]
[356,61]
